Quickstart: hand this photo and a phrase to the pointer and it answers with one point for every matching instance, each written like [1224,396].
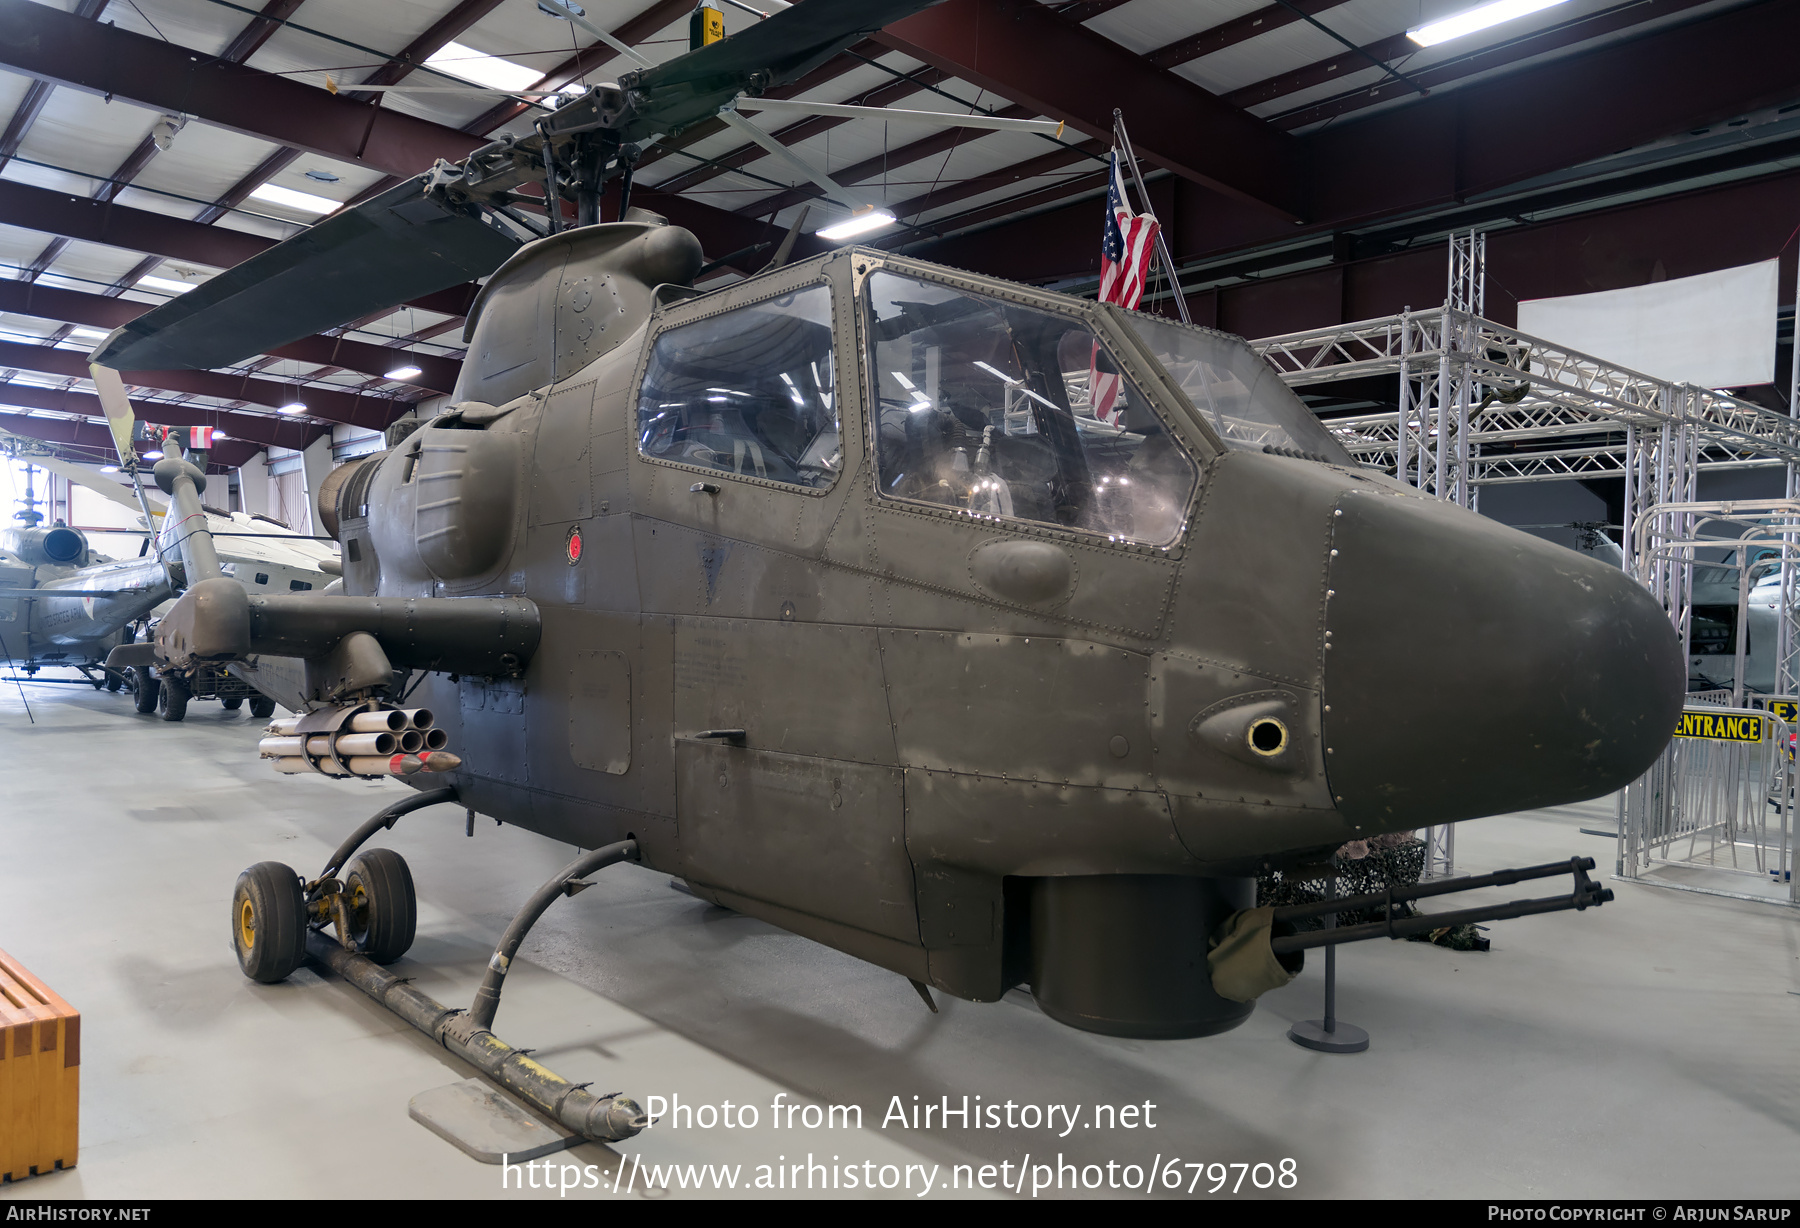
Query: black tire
[268,922]
[231,703]
[172,698]
[384,912]
[113,681]
[144,687]
[262,707]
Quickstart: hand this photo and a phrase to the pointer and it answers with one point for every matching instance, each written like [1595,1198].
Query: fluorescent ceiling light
[860,223]
[996,373]
[153,455]
[109,469]
[1471,20]
[294,407]
[164,284]
[305,202]
[90,334]
[488,70]
[406,372]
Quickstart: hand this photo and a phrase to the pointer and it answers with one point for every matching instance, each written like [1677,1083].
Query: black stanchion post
[1330,1035]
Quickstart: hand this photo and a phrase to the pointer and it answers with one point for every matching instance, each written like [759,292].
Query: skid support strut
[566,882]
[606,1118]
[384,818]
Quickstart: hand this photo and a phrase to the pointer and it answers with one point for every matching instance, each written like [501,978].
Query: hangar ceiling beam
[1334,68]
[1440,150]
[96,439]
[36,95]
[56,46]
[1086,10]
[1230,33]
[105,311]
[250,428]
[261,29]
[1041,60]
[1031,168]
[443,31]
[327,403]
[24,115]
[397,69]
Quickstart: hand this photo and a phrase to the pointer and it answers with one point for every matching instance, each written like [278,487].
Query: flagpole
[1162,246]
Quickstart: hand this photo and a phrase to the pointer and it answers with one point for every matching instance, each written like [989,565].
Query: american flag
[1125,248]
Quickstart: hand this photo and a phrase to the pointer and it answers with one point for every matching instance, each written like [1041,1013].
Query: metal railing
[1715,809]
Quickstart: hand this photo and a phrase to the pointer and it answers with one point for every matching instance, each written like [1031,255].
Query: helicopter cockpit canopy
[1015,412]
[749,392]
[1238,393]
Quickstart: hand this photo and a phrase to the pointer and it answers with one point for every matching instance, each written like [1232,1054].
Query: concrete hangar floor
[1646,1050]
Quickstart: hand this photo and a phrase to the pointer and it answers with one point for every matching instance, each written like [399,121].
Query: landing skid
[267,909]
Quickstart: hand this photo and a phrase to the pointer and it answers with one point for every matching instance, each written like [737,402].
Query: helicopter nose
[1472,669]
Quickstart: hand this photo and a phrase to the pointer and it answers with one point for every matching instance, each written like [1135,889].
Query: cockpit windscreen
[749,391]
[1008,411]
[1239,393]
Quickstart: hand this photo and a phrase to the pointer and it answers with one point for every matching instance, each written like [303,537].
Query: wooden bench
[40,1075]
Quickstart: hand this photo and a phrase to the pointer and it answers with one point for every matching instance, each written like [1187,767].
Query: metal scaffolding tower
[1436,394]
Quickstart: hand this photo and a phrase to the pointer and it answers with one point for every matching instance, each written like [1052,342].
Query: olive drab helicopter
[990,635]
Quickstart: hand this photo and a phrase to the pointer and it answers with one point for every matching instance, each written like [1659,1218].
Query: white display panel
[1716,330]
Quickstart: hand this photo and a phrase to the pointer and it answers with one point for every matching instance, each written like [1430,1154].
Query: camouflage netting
[1365,867]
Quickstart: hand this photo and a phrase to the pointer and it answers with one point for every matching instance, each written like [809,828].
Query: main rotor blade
[397,246]
[782,48]
[120,419]
[106,488]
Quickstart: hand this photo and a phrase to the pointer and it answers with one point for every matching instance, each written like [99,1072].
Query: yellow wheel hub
[247,924]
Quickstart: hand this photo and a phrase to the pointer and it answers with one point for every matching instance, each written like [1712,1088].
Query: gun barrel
[1419,891]
[1425,924]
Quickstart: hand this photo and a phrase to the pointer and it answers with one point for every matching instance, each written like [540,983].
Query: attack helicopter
[835,595]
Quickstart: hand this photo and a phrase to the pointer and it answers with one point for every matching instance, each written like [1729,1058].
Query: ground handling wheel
[113,681]
[383,911]
[172,697]
[144,688]
[268,922]
[231,703]
[262,707]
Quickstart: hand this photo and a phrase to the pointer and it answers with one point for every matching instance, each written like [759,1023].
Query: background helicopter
[261,554]
[62,603]
[834,594]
